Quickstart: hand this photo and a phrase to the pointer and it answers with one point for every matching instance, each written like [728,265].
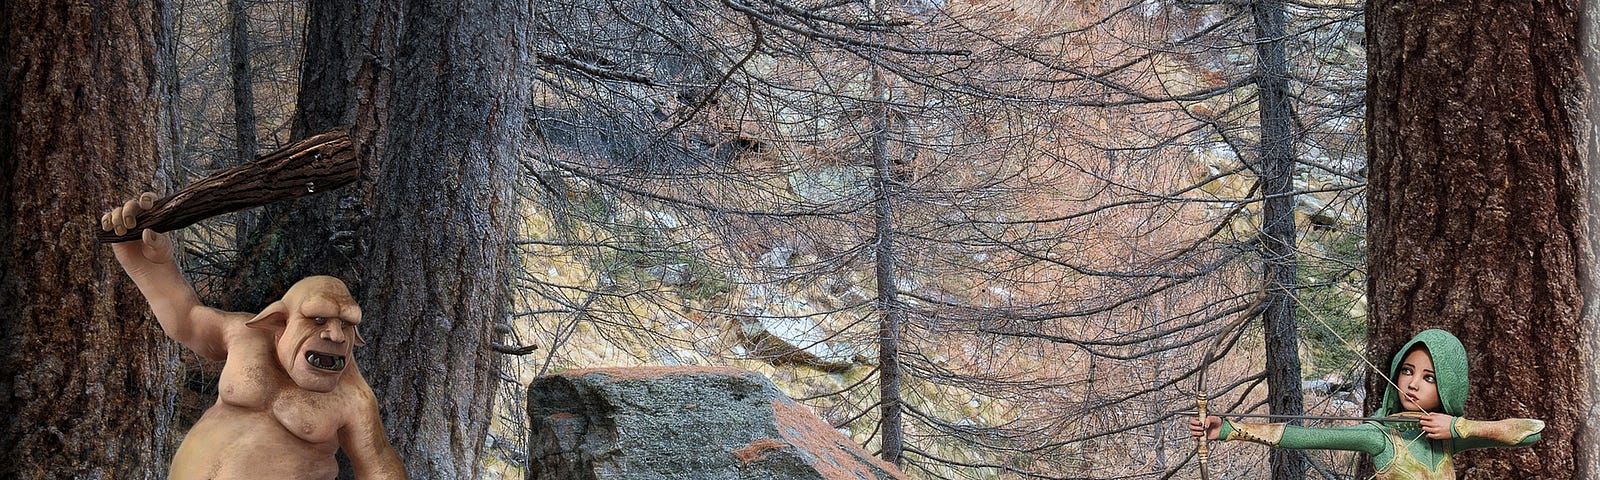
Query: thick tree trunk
[1278,247]
[1588,141]
[343,84]
[89,382]
[1478,203]
[439,266]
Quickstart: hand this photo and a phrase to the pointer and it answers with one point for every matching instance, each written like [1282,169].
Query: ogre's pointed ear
[275,317]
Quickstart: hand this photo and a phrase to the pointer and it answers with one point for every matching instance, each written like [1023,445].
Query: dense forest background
[983,239]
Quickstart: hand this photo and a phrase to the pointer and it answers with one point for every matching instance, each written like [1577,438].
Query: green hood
[1449,370]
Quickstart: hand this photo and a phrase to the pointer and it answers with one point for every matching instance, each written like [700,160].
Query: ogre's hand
[154,247]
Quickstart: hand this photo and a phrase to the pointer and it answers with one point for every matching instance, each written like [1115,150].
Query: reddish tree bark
[1478,203]
[89,381]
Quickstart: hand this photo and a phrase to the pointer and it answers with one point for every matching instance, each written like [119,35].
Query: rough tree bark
[1278,247]
[1478,203]
[244,104]
[1588,440]
[89,381]
[891,311]
[439,264]
[343,84]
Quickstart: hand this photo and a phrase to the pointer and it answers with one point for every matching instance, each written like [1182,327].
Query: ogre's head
[314,331]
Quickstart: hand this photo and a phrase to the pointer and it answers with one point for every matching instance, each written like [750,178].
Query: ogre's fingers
[130,214]
[105,222]
[147,200]
[117,223]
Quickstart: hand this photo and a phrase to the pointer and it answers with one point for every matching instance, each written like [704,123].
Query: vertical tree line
[1479,207]
[244,104]
[90,381]
[1276,153]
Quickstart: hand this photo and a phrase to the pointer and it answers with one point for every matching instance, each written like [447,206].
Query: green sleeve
[1361,438]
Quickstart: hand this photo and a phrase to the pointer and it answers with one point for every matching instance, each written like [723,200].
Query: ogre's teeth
[325,361]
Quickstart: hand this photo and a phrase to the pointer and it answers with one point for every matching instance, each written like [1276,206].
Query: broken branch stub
[314,165]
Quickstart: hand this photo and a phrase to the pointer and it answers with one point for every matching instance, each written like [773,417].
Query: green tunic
[1399,450]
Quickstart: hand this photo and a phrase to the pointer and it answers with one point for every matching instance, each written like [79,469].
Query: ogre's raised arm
[149,263]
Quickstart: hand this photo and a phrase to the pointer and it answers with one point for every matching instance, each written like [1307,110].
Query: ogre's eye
[320,320]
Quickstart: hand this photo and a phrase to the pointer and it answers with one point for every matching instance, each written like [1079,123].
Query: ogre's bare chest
[251,383]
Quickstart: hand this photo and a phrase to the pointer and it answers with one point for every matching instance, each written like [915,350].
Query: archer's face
[1419,389]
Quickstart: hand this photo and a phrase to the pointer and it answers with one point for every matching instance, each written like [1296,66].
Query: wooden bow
[1202,448]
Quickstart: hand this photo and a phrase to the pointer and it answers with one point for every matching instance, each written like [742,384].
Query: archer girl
[1430,377]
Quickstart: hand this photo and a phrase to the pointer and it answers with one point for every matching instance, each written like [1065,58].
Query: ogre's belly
[232,443]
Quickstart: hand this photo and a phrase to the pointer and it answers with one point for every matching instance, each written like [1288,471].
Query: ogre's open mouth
[325,361]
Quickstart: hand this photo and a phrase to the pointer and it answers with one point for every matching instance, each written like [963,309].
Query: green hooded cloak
[1449,371]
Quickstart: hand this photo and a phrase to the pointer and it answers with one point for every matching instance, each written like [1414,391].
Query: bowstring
[1344,342]
[1347,345]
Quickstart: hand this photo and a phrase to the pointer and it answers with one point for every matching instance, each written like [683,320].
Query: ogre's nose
[334,331]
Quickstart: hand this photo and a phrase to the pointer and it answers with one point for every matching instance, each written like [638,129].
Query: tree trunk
[1278,248]
[90,381]
[345,42]
[891,312]
[1587,442]
[889,308]
[1478,203]
[244,105]
[439,264]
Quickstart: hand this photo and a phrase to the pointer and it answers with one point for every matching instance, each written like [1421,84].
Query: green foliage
[1331,315]
[643,251]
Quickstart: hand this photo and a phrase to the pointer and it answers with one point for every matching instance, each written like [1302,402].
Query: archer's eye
[1429,378]
[1405,370]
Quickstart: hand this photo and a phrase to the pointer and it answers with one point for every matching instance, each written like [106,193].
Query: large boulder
[702,423]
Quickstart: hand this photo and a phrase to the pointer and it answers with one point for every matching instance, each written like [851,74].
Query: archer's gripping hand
[1436,426]
[153,248]
[1212,428]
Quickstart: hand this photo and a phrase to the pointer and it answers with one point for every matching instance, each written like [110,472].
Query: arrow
[1406,419]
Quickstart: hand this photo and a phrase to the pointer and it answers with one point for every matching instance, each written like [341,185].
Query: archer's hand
[1213,426]
[154,247]
[1436,426]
